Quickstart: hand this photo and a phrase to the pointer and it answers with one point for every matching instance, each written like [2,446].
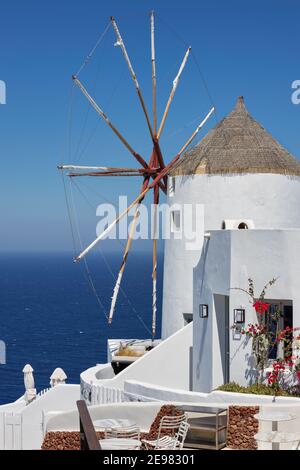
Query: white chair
[126,435]
[130,432]
[171,434]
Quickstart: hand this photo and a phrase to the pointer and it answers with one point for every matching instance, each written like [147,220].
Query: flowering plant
[260,307]
[265,339]
[253,330]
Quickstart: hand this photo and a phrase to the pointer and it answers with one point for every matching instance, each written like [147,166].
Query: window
[243,226]
[286,319]
[175,221]
[188,318]
[171,186]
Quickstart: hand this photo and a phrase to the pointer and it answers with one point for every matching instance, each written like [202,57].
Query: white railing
[100,395]
[10,431]
[42,392]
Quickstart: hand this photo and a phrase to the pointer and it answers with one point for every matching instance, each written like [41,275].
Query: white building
[243,179]
[245,190]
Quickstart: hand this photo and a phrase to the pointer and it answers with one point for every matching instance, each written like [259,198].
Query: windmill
[154,173]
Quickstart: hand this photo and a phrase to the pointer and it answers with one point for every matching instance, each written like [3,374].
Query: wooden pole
[153,74]
[110,227]
[175,85]
[106,173]
[108,122]
[196,132]
[100,168]
[154,271]
[123,265]
[153,162]
[120,43]
[125,256]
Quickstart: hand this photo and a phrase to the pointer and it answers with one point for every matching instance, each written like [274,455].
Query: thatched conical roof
[238,144]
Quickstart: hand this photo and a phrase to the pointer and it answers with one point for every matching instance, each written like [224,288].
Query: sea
[53,312]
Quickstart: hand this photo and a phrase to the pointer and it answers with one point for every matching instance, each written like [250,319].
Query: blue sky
[248,48]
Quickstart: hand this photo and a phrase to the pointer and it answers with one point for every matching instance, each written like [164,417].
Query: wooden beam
[99,168]
[88,436]
[123,265]
[110,227]
[196,132]
[154,264]
[120,43]
[106,173]
[174,87]
[153,64]
[109,123]
[156,181]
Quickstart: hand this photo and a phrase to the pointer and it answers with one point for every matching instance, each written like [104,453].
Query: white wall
[216,397]
[232,257]
[61,397]
[168,364]
[143,414]
[211,276]
[270,200]
[179,263]
[263,255]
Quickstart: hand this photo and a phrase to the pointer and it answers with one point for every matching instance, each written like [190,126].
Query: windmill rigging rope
[90,55]
[125,295]
[196,62]
[87,114]
[87,269]
[69,214]
[91,135]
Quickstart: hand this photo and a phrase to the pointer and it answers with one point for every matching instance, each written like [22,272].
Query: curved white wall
[270,200]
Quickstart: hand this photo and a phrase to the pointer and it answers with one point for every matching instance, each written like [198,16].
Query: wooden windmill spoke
[123,265]
[160,159]
[190,140]
[120,43]
[109,123]
[141,196]
[154,270]
[175,85]
[111,226]
[116,172]
[103,174]
[99,168]
[125,256]
[153,74]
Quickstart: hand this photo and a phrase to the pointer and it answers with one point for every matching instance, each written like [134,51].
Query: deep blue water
[50,318]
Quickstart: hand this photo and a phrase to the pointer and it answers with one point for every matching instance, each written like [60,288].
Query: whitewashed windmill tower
[243,178]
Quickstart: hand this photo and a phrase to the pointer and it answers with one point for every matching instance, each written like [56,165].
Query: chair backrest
[170,424]
[122,432]
[181,435]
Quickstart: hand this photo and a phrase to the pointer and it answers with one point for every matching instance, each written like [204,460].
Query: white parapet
[173,356]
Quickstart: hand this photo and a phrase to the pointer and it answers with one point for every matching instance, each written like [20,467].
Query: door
[227,352]
[221,340]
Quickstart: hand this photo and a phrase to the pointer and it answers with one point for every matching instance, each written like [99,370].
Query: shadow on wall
[250,371]
[198,273]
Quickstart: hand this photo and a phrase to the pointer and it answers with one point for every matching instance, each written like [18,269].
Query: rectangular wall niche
[176,221]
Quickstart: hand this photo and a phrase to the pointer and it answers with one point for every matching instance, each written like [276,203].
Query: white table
[120,444]
[275,437]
